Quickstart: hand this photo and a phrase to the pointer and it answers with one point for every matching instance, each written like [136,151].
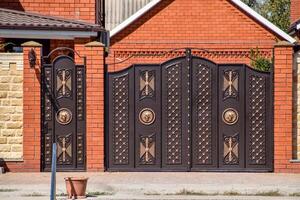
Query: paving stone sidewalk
[121,186]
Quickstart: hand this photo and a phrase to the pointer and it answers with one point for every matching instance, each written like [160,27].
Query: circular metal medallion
[147,116]
[230,116]
[64,116]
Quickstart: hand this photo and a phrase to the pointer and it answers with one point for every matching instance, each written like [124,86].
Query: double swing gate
[189,114]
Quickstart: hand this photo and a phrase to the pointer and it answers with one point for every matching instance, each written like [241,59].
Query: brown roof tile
[11,19]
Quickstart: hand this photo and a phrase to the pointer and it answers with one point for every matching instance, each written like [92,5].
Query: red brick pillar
[31,109]
[94,52]
[283,82]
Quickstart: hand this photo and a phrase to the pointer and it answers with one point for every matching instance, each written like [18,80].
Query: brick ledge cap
[283,44]
[12,160]
[31,44]
[295,161]
[94,44]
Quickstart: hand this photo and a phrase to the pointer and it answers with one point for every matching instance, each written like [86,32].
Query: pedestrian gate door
[63,110]
[189,114]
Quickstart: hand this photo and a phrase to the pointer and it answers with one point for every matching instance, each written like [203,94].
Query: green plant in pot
[259,62]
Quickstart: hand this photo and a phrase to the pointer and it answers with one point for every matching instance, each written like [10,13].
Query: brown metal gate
[189,114]
[63,110]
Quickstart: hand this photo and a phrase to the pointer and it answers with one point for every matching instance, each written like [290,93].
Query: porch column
[283,97]
[94,52]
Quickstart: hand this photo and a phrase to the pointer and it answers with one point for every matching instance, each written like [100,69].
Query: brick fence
[94,52]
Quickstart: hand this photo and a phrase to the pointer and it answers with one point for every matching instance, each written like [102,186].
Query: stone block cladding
[11,106]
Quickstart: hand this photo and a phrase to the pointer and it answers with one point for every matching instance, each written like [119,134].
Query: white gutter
[298,26]
[134,17]
[263,20]
[43,34]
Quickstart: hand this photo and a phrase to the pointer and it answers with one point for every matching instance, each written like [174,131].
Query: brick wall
[217,26]
[70,9]
[31,115]
[295,10]
[11,106]
[94,53]
[283,97]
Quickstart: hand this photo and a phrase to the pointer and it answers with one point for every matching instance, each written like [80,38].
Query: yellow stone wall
[11,106]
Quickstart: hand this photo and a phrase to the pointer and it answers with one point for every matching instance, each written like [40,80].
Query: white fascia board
[44,34]
[134,17]
[298,26]
[263,20]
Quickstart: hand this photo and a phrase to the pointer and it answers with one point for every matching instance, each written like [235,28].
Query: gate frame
[46,61]
[188,56]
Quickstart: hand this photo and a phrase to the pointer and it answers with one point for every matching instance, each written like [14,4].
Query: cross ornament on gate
[147,83]
[64,82]
[64,149]
[147,149]
[230,149]
[231,83]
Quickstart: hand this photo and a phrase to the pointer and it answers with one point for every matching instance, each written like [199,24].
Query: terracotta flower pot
[76,187]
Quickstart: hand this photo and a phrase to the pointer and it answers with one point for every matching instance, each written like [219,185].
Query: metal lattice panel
[204,115]
[80,94]
[80,149]
[173,110]
[257,119]
[120,120]
[48,148]
[48,106]
[188,107]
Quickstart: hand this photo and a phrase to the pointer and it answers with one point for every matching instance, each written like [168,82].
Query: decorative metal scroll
[147,84]
[64,149]
[231,150]
[230,85]
[230,116]
[147,149]
[147,116]
[64,83]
